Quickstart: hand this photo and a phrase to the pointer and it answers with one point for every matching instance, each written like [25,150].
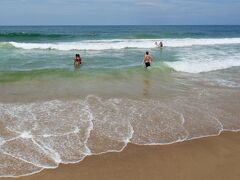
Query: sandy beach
[156,94]
[206,158]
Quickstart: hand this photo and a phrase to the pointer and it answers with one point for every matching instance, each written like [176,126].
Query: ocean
[52,112]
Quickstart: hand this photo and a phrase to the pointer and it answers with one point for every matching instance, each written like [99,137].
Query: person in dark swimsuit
[161,44]
[77,60]
[147,64]
[147,59]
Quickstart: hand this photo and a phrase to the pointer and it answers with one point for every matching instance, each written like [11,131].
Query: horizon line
[125,25]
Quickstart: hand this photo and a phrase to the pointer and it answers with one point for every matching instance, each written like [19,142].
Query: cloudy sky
[114,12]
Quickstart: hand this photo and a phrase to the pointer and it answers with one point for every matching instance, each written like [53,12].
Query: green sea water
[52,112]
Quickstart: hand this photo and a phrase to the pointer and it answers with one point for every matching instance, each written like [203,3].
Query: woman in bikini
[77,60]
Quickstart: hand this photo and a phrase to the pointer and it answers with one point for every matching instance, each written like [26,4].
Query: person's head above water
[147,52]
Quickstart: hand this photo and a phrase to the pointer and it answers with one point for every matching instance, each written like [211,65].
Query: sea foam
[205,59]
[124,43]
[41,135]
[204,64]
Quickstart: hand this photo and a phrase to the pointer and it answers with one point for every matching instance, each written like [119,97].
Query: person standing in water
[147,59]
[160,45]
[77,60]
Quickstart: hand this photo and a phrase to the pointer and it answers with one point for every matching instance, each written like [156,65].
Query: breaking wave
[123,43]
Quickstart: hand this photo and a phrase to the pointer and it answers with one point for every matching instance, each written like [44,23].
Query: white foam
[27,150]
[124,43]
[202,66]
[205,59]
[11,166]
[54,155]
[111,129]
[2,141]
[68,131]
[26,135]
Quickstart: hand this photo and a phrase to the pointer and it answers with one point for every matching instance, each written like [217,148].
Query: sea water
[52,112]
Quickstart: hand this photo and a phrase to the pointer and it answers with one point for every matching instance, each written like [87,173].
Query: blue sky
[114,12]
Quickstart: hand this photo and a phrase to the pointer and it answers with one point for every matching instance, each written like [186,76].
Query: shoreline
[215,157]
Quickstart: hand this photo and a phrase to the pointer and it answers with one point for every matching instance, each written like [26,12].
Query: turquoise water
[52,112]
[114,47]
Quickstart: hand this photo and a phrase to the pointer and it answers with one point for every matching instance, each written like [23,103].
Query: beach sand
[201,159]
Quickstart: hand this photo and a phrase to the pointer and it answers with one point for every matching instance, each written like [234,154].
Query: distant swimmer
[159,45]
[147,59]
[77,60]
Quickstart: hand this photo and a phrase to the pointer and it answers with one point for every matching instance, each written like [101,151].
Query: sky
[119,12]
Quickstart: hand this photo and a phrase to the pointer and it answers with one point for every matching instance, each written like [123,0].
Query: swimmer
[147,59]
[77,60]
[160,45]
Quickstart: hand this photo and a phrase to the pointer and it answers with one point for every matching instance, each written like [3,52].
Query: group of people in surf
[159,45]
[147,59]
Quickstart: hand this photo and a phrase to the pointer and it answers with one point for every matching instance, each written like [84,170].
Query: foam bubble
[26,135]
[2,141]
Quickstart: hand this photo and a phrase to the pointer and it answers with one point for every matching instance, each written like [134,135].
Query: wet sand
[207,158]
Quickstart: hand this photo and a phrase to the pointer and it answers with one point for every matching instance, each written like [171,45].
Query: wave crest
[124,43]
